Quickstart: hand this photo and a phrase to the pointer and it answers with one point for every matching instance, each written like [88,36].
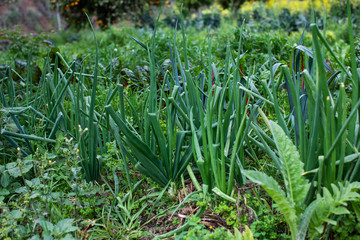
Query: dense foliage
[234,131]
[107,12]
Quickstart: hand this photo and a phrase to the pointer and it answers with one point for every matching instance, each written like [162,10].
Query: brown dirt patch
[169,221]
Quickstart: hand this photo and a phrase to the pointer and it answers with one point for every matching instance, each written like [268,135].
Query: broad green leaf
[64,226]
[247,234]
[285,204]
[47,226]
[16,214]
[36,182]
[5,180]
[332,204]
[292,167]
[47,237]
[21,190]
[27,165]
[4,192]
[14,172]
[340,211]
[305,220]
[237,234]
[29,183]
[36,237]
[67,237]
[346,192]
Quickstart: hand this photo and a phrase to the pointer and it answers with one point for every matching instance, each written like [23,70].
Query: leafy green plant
[199,232]
[228,213]
[26,195]
[126,209]
[150,139]
[320,120]
[23,45]
[46,192]
[298,215]
[12,174]
[264,227]
[219,120]
[194,97]
[347,226]
[58,95]
[89,142]
[59,230]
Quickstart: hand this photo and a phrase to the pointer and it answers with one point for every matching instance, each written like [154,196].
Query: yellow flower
[206,11]
[225,13]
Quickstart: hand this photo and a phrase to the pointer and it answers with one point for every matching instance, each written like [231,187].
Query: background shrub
[10,17]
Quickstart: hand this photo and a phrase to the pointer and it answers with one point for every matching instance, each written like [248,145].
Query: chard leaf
[292,168]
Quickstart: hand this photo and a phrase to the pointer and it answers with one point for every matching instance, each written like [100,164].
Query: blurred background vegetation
[27,26]
[44,15]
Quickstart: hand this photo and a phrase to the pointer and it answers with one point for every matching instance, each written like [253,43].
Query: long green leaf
[292,169]
[286,205]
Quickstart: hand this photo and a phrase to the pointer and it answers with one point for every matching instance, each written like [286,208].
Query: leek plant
[25,118]
[220,121]
[59,103]
[161,154]
[219,111]
[321,121]
[206,118]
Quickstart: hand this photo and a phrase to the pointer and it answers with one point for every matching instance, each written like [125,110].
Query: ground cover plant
[245,131]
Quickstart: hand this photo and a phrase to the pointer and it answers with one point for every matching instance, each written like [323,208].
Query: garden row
[111,146]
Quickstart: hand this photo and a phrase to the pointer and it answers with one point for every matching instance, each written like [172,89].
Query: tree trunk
[58,16]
